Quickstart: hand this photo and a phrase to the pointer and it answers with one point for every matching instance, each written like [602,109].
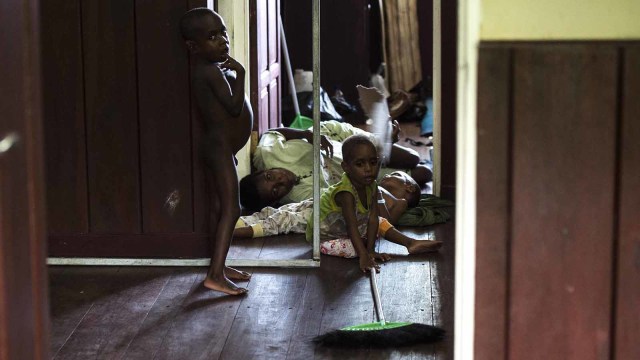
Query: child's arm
[348,204]
[232,99]
[372,227]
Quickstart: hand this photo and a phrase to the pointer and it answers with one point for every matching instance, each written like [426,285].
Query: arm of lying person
[390,207]
[294,134]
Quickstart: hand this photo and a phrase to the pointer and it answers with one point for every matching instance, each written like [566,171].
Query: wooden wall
[558,201]
[121,134]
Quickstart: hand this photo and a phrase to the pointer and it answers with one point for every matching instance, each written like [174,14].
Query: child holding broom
[349,216]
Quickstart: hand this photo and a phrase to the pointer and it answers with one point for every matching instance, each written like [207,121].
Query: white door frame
[466,164]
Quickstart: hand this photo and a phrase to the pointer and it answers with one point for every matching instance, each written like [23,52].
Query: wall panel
[165,132]
[493,185]
[627,312]
[111,116]
[564,105]
[561,181]
[64,117]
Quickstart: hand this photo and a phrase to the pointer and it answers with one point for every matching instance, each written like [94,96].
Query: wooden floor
[166,313]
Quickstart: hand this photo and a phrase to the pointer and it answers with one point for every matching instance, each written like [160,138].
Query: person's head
[402,186]
[265,188]
[205,34]
[360,160]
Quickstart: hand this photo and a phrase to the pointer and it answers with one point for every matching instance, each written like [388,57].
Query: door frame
[466,165]
[24,306]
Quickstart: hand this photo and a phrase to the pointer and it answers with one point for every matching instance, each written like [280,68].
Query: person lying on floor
[398,189]
[349,218]
[284,164]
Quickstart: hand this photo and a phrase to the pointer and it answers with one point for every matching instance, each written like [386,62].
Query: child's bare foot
[235,274]
[224,285]
[424,246]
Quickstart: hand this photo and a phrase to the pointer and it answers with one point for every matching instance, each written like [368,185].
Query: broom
[381,334]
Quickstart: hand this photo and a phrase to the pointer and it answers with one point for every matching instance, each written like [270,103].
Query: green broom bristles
[392,334]
[383,333]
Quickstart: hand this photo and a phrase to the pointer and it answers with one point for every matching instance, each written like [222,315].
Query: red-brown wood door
[23,288]
[265,63]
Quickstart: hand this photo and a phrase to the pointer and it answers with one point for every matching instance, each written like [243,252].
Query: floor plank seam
[300,310]
[235,316]
[126,350]
[73,331]
[172,323]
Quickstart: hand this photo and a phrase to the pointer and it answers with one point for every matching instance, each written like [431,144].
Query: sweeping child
[349,218]
[218,87]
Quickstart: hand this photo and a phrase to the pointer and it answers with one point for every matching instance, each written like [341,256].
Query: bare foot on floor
[224,285]
[424,246]
[235,274]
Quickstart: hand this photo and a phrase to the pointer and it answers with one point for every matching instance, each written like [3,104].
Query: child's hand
[367,263]
[232,64]
[395,131]
[380,256]
[325,144]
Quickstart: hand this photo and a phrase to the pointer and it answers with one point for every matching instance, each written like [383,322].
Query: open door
[24,318]
[265,63]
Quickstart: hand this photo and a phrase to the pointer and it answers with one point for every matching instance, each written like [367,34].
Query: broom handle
[287,65]
[376,297]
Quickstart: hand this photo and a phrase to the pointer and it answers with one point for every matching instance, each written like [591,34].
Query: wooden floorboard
[166,313]
[119,299]
[264,323]
[159,321]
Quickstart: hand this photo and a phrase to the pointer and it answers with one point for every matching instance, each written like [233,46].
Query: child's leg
[224,182]
[414,246]
[214,219]
[341,247]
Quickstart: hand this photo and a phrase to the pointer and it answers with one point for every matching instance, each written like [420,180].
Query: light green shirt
[332,223]
[274,151]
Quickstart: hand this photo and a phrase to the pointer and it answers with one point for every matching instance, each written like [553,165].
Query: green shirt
[332,223]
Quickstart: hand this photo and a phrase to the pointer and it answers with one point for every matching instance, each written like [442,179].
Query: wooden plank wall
[627,291]
[118,122]
[557,249]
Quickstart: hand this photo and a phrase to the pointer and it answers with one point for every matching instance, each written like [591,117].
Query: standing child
[218,87]
[349,213]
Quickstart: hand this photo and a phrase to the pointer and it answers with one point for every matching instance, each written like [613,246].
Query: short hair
[188,27]
[350,143]
[249,196]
